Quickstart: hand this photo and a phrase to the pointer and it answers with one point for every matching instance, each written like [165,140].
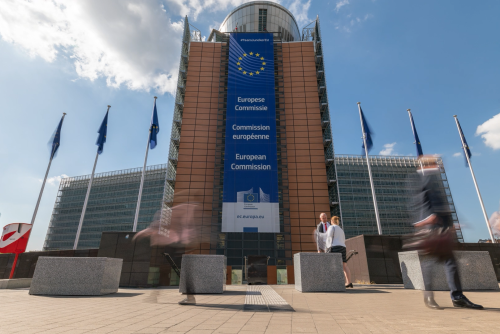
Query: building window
[262,19]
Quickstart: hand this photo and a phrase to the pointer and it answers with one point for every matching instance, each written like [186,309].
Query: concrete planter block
[76,276]
[203,274]
[15,283]
[318,272]
[474,269]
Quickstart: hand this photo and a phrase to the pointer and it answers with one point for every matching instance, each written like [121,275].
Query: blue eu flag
[415,134]
[466,146]
[368,133]
[154,129]
[55,141]
[103,130]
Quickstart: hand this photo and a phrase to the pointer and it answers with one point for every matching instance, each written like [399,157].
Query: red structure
[14,240]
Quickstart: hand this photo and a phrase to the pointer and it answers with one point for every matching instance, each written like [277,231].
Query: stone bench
[76,276]
[318,272]
[203,274]
[474,269]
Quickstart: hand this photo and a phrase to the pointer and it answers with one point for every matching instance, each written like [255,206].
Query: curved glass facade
[262,16]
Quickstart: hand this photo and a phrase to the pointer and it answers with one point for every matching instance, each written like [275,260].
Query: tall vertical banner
[250,193]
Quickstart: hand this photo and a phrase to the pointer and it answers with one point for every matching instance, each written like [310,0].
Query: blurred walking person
[178,230]
[435,234]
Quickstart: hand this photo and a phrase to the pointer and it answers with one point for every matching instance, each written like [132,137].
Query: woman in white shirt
[335,240]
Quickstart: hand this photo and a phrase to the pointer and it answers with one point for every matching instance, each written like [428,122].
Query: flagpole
[77,238]
[44,180]
[142,181]
[475,182]
[370,172]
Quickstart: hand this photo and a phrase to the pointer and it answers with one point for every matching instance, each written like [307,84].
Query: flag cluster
[367,136]
[55,140]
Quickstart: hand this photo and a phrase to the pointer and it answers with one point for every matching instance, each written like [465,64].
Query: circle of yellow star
[240,66]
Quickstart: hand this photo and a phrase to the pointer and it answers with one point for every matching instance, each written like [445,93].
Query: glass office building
[393,179]
[111,207]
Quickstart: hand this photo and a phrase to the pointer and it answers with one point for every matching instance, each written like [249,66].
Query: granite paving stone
[364,309]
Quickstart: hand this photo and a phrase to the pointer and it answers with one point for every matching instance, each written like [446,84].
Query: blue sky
[438,58]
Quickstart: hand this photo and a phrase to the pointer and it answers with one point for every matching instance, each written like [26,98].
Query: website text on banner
[250,197]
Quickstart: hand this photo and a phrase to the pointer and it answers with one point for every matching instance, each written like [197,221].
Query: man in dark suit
[434,214]
[322,227]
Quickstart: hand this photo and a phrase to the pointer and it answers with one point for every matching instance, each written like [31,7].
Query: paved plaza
[256,309]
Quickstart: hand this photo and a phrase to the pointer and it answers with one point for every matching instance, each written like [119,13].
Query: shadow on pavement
[233,293]
[111,295]
[355,291]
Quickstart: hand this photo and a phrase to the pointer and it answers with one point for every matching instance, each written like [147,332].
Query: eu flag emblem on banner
[415,134]
[251,198]
[367,134]
[103,130]
[154,129]
[55,141]
[466,146]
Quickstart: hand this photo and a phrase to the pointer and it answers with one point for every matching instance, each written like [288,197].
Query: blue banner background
[251,75]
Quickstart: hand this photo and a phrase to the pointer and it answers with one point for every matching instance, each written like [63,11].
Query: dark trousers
[451,271]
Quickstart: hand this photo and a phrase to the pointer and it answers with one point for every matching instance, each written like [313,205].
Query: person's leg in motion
[429,301]
[457,297]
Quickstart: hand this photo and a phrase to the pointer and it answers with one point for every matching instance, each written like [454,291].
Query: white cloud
[193,8]
[300,10]
[490,132]
[54,180]
[351,22]
[341,4]
[131,43]
[388,149]
[457,154]
[360,19]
